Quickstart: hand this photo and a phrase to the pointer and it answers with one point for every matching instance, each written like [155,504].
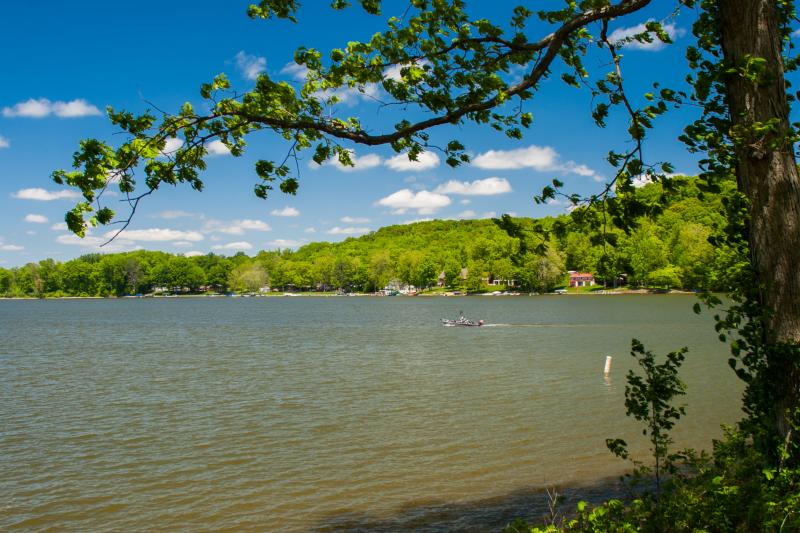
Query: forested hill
[670,249]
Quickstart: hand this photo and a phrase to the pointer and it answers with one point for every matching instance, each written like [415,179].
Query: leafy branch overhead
[438,64]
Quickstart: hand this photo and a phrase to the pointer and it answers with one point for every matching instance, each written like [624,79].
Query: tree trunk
[767,174]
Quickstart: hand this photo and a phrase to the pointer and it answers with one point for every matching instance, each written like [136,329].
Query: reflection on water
[326,413]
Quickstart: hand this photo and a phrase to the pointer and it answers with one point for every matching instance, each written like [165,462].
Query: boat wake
[512,325]
[537,325]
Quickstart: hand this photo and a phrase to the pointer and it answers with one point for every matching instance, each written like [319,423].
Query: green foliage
[448,68]
[668,249]
[735,490]
[767,367]
[543,273]
[665,277]
[534,253]
[248,277]
[648,399]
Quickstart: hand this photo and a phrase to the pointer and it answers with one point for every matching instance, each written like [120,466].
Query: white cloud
[30,108]
[285,212]
[393,72]
[193,253]
[36,219]
[425,202]
[414,221]
[535,157]
[217,147]
[484,187]
[74,109]
[120,244]
[469,213]
[796,33]
[361,163]
[4,142]
[10,247]
[354,220]
[59,226]
[114,175]
[254,225]
[580,170]
[42,107]
[401,162]
[310,230]
[238,245]
[172,145]
[250,66]
[235,227]
[465,201]
[298,72]
[347,231]
[346,95]
[539,158]
[643,179]
[183,244]
[350,95]
[364,162]
[173,214]
[157,235]
[72,239]
[489,214]
[620,34]
[44,195]
[285,243]
[30,232]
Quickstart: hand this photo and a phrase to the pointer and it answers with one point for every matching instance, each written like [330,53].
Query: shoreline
[609,292]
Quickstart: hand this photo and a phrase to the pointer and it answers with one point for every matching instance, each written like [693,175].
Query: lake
[328,414]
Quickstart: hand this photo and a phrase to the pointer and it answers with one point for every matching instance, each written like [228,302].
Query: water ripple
[355,414]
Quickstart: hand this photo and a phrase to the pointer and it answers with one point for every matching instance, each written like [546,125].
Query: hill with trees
[668,249]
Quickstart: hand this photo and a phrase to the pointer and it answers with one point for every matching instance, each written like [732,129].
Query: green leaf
[289,186]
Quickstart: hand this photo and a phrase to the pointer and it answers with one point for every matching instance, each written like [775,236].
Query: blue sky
[63,63]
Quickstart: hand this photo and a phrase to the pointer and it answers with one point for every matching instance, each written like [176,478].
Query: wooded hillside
[670,248]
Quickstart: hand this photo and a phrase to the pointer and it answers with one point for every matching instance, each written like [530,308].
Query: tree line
[670,250]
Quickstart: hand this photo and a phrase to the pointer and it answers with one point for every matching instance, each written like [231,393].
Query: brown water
[306,414]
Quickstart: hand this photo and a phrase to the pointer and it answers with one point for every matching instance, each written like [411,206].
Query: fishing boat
[461,321]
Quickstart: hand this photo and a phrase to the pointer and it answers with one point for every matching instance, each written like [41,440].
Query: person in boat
[462,321]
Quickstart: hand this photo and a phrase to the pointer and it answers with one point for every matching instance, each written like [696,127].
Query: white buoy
[607,369]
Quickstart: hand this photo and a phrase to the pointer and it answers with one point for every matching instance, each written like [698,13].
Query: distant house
[441,279]
[396,286]
[506,282]
[209,288]
[581,279]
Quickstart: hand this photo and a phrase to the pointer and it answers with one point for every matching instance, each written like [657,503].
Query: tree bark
[767,174]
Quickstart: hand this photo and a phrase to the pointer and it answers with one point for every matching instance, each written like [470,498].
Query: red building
[580,279]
